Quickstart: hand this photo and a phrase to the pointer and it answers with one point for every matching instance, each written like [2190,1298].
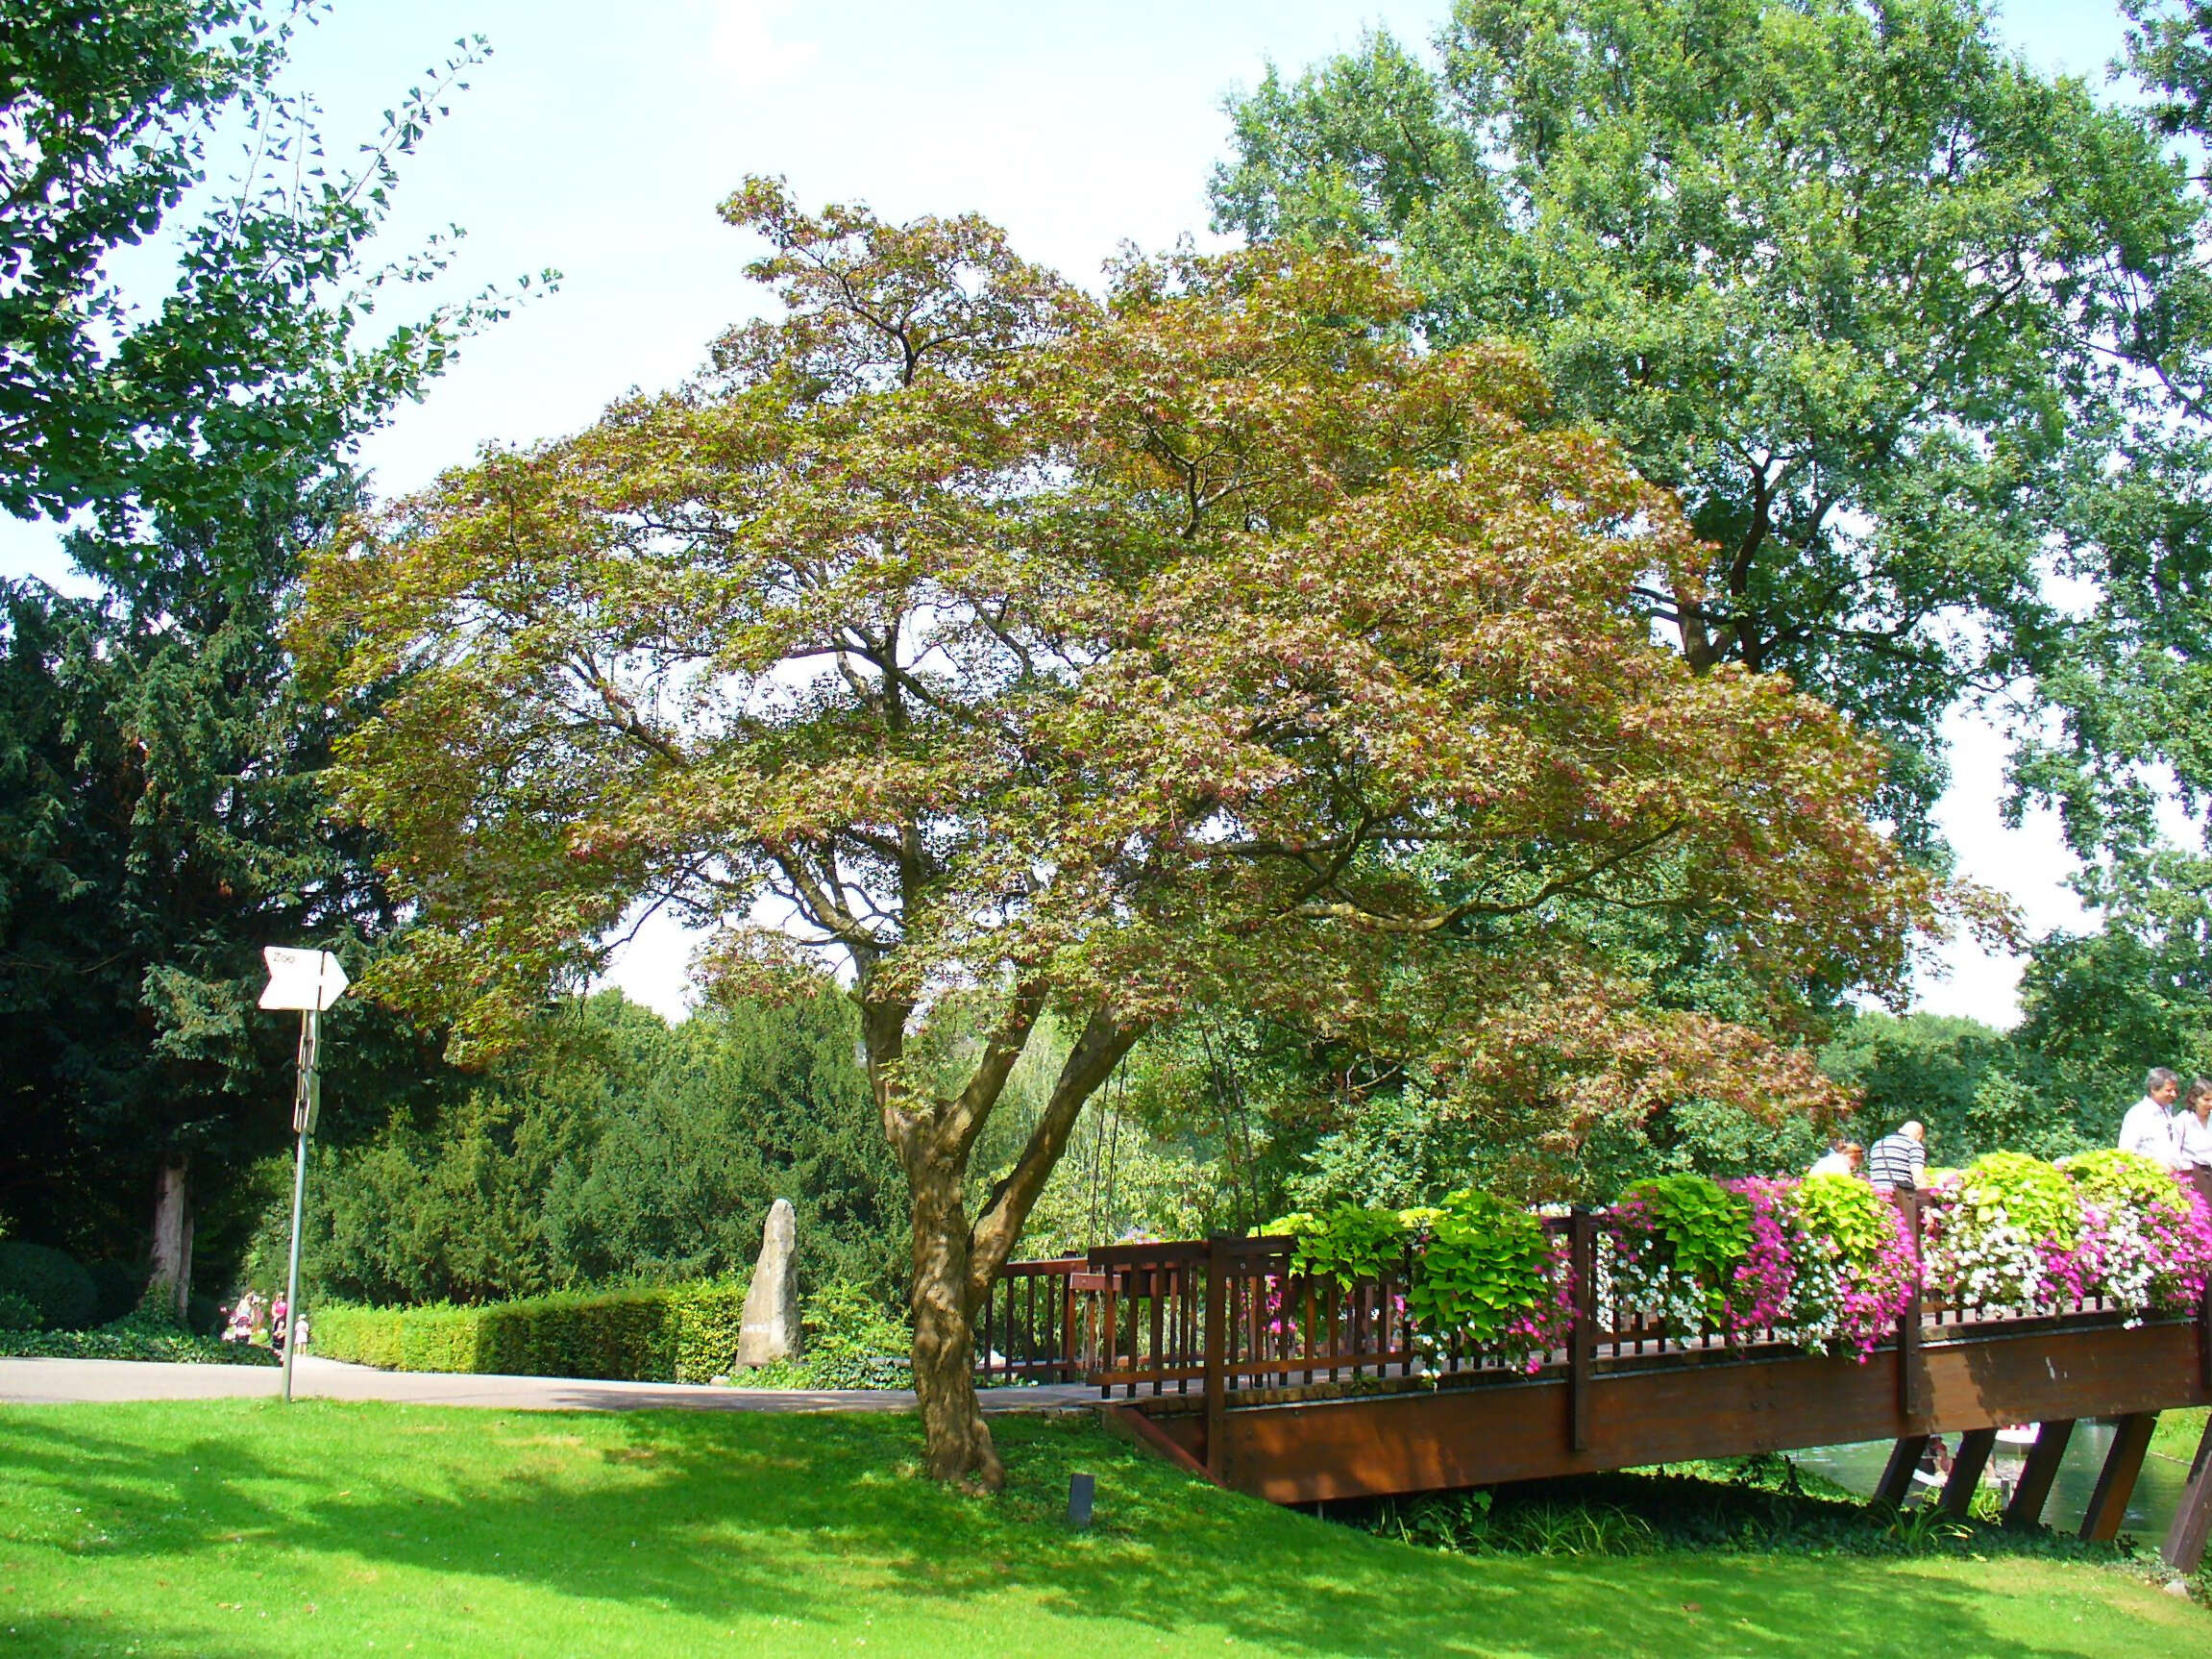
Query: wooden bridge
[1216,1355]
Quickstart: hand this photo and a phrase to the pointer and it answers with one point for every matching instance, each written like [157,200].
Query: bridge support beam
[1966,1466]
[1896,1478]
[2193,1520]
[2036,1475]
[2116,1482]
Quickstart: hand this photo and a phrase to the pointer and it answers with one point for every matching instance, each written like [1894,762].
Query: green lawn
[238,1527]
[2179,1432]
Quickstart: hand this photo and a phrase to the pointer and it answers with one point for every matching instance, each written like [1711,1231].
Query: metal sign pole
[310,981]
[306,1097]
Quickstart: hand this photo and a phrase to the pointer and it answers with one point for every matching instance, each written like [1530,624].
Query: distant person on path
[2148,1127]
[1895,1162]
[1843,1158]
[2193,1126]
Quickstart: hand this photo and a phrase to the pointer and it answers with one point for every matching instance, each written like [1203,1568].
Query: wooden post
[1966,1467]
[2026,1510]
[1581,1328]
[1896,1478]
[1108,1327]
[1912,1404]
[2116,1481]
[2193,1519]
[1070,1361]
[1217,1331]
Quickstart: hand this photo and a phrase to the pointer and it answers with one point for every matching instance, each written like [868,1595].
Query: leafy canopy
[134,400]
[1881,302]
[1215,630]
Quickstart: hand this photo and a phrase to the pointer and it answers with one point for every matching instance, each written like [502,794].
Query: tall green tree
[164,821]
[116,399]
[1092,659]
[1884,304]
[160,818]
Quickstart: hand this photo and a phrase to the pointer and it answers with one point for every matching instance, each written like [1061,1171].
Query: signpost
[310,981]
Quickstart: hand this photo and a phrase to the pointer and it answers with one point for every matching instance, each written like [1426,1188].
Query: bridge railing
[1139,1319]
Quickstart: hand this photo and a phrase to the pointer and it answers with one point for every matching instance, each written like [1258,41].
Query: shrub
[2110,1176]
[117,1289]
[437,1336]
[1347,1245]
[2146,1239]
[709,1319]
[852,1342]
[680,1333]
[50,1281]
[1997,1233]
[1855,1266]
[17,1312]
[142,1336]
[1672,1248]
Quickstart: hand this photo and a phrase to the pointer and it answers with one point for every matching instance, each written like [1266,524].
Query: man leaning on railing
[1897,1162]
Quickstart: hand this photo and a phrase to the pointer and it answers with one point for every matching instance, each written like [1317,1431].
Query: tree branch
[1090,1063]
[1437,921]
[964,1116]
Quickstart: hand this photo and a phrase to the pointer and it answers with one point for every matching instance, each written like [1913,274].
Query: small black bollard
[1080,1488]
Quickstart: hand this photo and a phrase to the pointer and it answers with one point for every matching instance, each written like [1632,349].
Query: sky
[596,140]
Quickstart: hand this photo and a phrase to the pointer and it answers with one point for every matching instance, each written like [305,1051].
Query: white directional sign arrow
[305,979]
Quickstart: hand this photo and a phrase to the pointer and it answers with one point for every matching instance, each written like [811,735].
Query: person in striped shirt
[1897,1159]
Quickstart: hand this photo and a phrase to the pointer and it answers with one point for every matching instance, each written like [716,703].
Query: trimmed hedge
[676,1333]
[141,1336]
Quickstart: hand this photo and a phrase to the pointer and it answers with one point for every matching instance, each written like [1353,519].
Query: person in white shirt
[2147,1129]
[2193,1126]
[1843,1158]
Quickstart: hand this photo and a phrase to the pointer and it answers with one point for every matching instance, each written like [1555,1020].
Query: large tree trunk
[960,1447]
[955,1261]
[170,1287]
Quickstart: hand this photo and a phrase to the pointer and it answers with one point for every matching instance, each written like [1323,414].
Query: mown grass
[239,1527]
[2179,1432]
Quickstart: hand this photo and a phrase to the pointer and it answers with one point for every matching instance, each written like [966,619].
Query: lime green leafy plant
[1348,1244]
[1689,1230]
[1488,1275]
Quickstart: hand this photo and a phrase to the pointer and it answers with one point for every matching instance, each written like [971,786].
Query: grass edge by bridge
[237,1528]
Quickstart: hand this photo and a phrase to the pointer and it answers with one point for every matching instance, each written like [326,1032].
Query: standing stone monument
[770,1329]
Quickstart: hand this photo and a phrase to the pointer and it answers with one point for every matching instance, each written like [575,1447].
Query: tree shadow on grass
[821,1519]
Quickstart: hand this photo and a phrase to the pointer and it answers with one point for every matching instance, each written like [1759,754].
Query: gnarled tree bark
[955,1260]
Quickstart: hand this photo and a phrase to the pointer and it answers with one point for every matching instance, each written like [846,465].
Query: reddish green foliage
[1211,642]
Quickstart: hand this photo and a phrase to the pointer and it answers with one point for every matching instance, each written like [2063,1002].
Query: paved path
[59,1382]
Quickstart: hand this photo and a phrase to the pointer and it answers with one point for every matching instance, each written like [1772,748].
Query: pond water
[2150,1511]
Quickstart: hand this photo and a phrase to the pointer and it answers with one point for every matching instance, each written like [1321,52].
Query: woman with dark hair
[2193,1126]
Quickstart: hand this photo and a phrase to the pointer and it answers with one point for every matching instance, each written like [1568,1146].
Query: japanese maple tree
[964,631]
